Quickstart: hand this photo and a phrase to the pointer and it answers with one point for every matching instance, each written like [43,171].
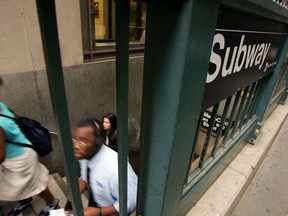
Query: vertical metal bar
[49,33]
[173,91]
[259,94]
[239,111]
[223,120]
[250,108]
[249,101]
[269,85]
[231,117]
[195,142]
[208,136]
[122,86]
[255,98]
[170,105]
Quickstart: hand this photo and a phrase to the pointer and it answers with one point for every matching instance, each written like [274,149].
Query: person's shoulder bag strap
[16,143]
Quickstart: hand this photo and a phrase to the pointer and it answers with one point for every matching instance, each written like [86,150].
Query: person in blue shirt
[21,175]
[99,171]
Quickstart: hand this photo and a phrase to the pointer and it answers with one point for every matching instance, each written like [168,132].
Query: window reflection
[103,26]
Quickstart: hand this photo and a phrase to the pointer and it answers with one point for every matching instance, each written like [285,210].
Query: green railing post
[270,84]
[49,33]
[179,38]
[122,86]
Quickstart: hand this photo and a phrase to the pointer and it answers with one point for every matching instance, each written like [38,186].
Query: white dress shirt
[104,179]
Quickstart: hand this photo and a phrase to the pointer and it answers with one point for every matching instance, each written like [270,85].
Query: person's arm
[109,210]
[2,146]
[82,185]
[92,211]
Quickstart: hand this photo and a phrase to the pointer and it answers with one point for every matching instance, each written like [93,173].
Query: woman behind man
[109,122]
[21,175]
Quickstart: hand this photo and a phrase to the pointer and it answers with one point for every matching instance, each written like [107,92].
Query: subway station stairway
[58,188]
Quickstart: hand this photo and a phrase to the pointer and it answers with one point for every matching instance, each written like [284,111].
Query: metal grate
[219,125]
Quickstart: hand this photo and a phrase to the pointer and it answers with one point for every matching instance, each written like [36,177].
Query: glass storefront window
[103,25]
[137,22]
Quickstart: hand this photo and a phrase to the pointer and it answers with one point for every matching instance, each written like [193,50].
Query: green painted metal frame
[258,88]
[270,83]
[193,192]
[233,111]
[248,103]
[223,119]
[208,136]
[281,89]
[207,178]
[216,168]
[283,97]
[48,24]
[239,112]
[49,33]
[122,86]
[174,82]
[190,172]
[263,8]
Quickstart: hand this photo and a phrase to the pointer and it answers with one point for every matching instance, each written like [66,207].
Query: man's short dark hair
[96,125]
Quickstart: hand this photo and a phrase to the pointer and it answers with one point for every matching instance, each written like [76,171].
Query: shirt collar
[98,156]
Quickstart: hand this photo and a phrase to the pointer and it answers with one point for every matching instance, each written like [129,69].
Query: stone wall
[90,91]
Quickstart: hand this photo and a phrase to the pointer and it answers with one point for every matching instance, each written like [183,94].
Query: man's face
[84,143]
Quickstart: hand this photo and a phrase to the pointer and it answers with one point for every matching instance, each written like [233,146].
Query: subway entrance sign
[245,49]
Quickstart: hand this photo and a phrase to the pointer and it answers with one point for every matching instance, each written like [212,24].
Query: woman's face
[106,124]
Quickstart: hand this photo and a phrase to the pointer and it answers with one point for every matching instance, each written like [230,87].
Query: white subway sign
[245,49]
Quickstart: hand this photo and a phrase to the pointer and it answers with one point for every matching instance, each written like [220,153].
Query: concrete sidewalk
[223,196]
[267,192]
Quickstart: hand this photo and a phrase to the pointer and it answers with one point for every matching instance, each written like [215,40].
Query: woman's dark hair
[96,125]
[1,81]
[112,133]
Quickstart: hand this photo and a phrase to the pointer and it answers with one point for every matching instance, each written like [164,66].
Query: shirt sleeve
[131,191]
[113,191]
[83,169]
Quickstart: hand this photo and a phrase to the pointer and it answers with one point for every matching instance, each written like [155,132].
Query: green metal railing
[122,86]
[235,112]
[177,53]
[49,33]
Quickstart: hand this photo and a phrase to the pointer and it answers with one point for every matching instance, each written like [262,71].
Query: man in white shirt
[99,171]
